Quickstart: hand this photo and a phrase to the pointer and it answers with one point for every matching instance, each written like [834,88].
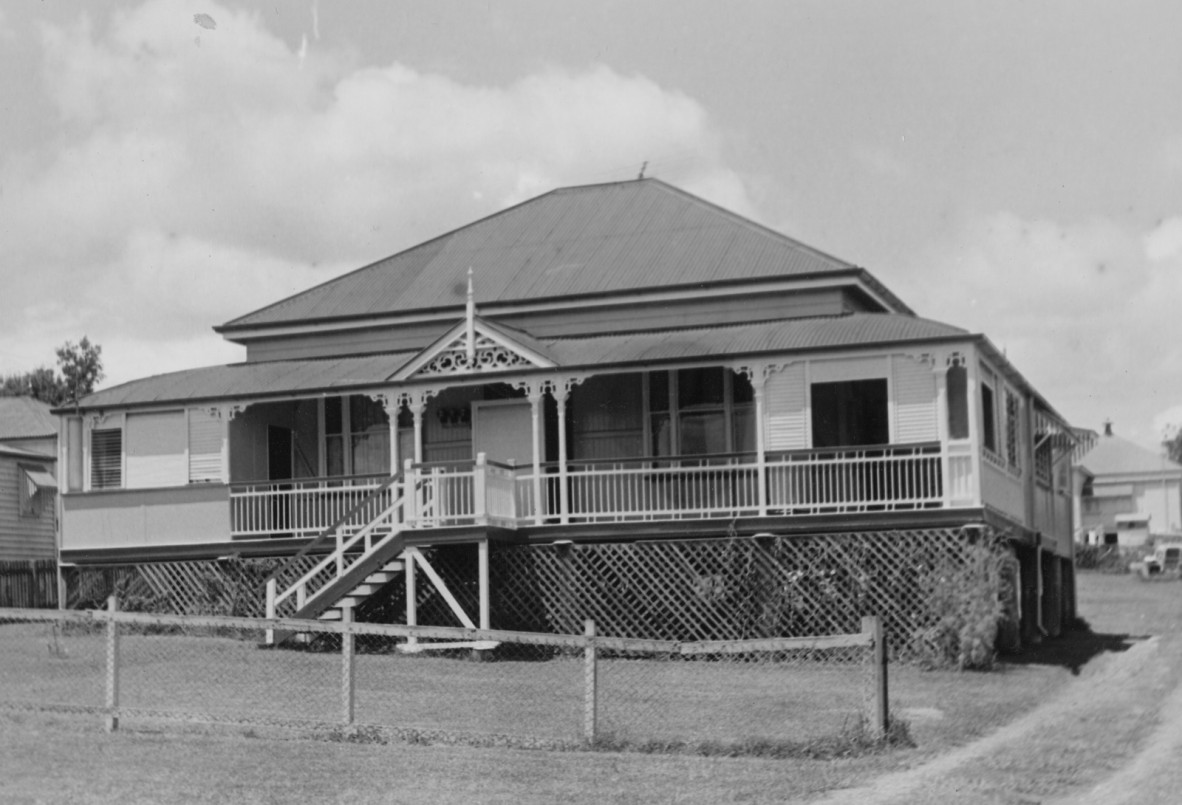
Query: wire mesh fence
[445,684]
[702,589]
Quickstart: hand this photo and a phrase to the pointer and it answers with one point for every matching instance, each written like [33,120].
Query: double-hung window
[700,412]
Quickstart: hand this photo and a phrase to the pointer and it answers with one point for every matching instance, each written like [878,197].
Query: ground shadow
[1073,649]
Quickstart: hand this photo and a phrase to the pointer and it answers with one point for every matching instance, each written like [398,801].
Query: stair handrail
[340,551]
[330,532]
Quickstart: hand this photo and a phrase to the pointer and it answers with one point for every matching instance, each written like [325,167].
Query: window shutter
[915,402]
[106,458]
[156,449]
[205,447]
[784,395]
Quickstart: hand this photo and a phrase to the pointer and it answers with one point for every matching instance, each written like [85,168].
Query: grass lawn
[57,758]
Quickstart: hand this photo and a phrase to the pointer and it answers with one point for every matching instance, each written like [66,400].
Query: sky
[1013,168]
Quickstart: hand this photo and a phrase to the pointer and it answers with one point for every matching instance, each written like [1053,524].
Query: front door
[279,463]
[503,431]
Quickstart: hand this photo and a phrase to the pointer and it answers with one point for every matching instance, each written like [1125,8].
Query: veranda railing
[482,492]
[801,481]
[300,507]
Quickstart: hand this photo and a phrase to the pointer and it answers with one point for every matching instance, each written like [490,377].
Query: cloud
[881,162]
[196,173]
[1086,310]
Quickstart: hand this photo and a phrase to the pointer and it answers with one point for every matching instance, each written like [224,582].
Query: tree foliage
[80,369]
[1173,445]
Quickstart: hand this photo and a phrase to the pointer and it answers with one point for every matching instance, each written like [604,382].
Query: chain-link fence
[442,684]
[733,588]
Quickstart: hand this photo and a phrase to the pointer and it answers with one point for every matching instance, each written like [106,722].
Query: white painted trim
[452,336]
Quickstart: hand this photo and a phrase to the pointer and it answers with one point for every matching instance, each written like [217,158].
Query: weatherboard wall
[561,321]
[29,535]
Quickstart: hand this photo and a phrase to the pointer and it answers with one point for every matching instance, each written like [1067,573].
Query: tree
[41,384]
[1173,443]
[81,369]
[81,366]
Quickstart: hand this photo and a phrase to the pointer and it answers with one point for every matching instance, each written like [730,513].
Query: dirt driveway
[1113,734]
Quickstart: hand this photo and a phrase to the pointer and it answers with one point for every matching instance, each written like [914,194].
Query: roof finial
[471,319]
[643,165]
[1107,427]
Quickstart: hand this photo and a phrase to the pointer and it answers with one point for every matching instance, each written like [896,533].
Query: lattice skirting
[705,589]
[207,587]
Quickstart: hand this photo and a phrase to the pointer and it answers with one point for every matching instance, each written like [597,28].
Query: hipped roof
[334,375]
[25,418]
[1114,456]
[572,242]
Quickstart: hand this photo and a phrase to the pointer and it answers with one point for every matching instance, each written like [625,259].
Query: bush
[1109,558]
[966,593]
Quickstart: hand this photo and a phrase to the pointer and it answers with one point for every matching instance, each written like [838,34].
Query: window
[988,418]
[106,458]
[205,447]
[958,402]
[356,436]
[369,429]
[700,412]
[607,417]
[37,487]
[850,413]
[1013,431]
[1043,461]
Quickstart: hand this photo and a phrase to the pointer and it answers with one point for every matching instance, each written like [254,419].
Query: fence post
[112,665]
[879,715]
[272,589]
[590,682]
[347,670]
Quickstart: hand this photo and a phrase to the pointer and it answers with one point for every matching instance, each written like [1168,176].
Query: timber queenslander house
[614,401]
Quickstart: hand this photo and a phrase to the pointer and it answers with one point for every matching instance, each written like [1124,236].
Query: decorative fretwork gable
[472,347]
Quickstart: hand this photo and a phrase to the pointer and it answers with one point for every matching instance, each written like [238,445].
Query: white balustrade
[855,479]
[300,508]
[486,493]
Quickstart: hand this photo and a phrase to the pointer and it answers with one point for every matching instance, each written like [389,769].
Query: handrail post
[479,489]
[112,703]
[879,715]
[410,497]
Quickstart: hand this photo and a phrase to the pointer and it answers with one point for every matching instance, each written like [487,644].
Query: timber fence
[29,583]
[351,681]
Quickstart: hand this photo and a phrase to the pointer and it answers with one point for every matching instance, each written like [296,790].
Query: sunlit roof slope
[584,241]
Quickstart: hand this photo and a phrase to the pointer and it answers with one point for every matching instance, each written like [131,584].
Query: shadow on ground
[1072,650]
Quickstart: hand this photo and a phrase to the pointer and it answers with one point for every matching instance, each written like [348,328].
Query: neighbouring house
[615,401]
[1127,494]
[28,503]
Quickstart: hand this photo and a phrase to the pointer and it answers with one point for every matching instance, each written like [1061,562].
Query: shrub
[966,593]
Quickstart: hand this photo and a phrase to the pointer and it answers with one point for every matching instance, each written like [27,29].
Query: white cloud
[1086,310]
[199,173]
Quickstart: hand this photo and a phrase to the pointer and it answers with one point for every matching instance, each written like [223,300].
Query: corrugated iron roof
[25,418]
[1114,456]
[596,239]
[242,380]
[278,378]
[791,335]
